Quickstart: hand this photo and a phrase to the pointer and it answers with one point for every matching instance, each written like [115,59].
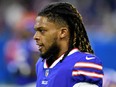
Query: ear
[64,32]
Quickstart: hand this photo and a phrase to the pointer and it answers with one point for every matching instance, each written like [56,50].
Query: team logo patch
[47,72]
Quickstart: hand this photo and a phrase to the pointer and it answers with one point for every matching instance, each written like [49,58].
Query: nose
[36,36]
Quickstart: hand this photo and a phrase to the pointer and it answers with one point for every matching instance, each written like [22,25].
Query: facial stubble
[52,52]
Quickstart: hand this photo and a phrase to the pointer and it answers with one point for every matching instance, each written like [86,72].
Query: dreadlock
[66,14]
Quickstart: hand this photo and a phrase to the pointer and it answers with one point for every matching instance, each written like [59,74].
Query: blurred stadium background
[18,53]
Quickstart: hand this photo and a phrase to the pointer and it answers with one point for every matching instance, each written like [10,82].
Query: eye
[42,31]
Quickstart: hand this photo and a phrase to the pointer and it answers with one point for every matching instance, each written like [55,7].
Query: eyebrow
[38,28]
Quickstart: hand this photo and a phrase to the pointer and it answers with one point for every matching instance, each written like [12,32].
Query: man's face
[46,36]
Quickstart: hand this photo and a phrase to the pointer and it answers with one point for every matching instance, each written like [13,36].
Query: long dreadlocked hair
[65,14]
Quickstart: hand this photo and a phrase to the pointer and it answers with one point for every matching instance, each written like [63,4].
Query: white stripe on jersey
[89,65]
[91,74]
[84,84]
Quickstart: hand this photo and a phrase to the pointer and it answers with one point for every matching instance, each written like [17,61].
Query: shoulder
[88,69]
[85,57]
[88,61]
[90,58]
[39,63]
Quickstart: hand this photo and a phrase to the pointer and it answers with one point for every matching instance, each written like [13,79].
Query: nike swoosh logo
[89,58]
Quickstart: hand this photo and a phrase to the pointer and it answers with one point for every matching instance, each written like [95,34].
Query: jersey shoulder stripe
[88,65]
[86,73]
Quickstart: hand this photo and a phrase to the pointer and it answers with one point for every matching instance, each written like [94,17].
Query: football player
[67,59]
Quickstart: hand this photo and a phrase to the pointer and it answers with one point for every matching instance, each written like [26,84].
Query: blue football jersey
[76,67]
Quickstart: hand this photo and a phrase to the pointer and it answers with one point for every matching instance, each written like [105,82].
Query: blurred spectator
[20,49]
[109,78]
[4,36]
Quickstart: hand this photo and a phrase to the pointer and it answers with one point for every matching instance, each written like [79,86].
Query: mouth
[40,46]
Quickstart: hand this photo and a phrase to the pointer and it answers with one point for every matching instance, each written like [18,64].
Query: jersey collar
[60,58]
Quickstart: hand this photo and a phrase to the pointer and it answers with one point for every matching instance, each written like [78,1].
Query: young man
[67,59]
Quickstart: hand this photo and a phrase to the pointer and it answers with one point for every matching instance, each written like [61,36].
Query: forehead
[42,21]
[39,20]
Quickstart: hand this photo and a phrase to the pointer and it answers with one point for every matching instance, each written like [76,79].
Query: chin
[44,55]
[52,51]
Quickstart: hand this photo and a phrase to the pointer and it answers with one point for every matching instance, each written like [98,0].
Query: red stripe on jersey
[88,65]
[91,74]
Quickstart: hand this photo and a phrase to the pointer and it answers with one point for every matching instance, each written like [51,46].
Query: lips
[39,46]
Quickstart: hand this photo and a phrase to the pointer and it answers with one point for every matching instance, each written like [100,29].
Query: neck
[52,58]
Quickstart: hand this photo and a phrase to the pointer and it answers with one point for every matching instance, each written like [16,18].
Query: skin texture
[49,35]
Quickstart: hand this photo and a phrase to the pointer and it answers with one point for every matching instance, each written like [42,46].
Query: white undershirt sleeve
[84,84]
